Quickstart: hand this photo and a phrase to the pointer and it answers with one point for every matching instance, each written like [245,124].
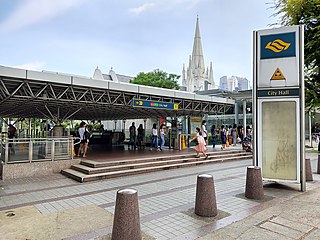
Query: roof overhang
[33,94]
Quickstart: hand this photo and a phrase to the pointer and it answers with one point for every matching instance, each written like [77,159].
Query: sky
[131,36]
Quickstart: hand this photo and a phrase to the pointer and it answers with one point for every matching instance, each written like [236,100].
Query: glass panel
[18,151]
[279,140]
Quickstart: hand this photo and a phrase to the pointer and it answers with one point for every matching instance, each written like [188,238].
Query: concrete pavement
[56,207]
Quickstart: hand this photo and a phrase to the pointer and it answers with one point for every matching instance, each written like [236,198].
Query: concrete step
[81,177]
[95,164]
[94,170]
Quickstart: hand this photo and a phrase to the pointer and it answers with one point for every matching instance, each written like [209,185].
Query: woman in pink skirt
[200,144]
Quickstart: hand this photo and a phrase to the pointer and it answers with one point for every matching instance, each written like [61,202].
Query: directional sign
[155,104]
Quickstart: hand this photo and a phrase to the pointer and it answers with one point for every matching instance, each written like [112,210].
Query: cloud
[31,12]
[144,7]
[164,4]
[36,66]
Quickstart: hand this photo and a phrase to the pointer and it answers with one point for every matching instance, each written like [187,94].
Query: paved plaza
[56,207]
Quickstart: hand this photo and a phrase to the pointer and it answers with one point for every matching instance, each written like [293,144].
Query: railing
[18,150]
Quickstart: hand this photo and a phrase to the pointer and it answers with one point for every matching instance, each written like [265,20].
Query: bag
[86,135]
[227,143]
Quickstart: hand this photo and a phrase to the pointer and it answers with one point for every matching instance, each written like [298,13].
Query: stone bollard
[126,222]
[318,170]
[309,176]
[254,184]
[206,205]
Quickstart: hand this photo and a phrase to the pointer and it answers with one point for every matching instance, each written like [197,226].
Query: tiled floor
[163,196]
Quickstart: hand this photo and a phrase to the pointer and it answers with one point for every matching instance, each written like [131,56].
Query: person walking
[140,136]
[162,134]
[204,130]
[84,139]
[223,135]
[214,135]
[200,144]
[132,132]
[154,137]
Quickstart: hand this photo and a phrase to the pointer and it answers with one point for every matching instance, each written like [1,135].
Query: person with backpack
[84,139]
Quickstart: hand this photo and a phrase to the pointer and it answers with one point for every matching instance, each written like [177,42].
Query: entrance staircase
[89,170]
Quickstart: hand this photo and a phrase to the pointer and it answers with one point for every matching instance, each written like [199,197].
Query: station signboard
[278,101]
[155,104]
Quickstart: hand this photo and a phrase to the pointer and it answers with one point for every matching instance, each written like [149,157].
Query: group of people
[137,137]
[229,135]
[136,141]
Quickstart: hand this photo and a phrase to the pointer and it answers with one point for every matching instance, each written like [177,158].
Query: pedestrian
[240,134]
[234,134]
[132,132]
[204,130]
[214,135]
[223,135]
[140,136]
[154,137]
[162,133]
[200,144]
[11,134]
[84,139]
[229,135]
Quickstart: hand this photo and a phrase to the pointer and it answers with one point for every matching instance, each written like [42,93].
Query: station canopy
[34,94]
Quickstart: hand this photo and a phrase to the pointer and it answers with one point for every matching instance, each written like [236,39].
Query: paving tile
[282,230]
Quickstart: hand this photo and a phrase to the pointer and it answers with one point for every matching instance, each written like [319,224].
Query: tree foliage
[307,12]
[157,78]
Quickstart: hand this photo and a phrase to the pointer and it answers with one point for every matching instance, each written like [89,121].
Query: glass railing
[19,150]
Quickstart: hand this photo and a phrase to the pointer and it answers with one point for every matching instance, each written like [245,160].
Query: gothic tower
[197,77]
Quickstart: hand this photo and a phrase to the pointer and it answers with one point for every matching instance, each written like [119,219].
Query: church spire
[197,54]
[198,76]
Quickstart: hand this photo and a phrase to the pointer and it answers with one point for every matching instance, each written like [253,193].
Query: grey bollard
[254,184]
[126,222]
[318,169]
[206,205]
[309,176]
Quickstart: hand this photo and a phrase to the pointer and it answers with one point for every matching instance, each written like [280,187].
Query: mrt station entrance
[57,99]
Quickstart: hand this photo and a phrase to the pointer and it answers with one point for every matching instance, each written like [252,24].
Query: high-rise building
[197,77]
[233,83]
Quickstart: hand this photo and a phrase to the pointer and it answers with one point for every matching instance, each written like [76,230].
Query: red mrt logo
[153,104]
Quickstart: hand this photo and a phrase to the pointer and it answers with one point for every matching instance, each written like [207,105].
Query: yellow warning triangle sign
[278,75]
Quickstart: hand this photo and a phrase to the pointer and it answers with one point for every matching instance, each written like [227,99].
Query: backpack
[86,135]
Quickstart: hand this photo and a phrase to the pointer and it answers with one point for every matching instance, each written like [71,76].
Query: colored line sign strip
[154,104]
[279,92]
[278,45]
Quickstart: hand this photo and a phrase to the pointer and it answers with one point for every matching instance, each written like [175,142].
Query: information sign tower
[278,104]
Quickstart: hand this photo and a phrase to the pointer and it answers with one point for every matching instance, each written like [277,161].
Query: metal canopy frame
[28,98]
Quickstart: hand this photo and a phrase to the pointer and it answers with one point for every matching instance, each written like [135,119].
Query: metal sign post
[278,103]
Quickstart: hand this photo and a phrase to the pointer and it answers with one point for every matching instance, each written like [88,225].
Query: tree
[157,78]
[307,12]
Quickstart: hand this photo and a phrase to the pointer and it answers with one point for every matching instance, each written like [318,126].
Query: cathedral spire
[197,54]
[198,76]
